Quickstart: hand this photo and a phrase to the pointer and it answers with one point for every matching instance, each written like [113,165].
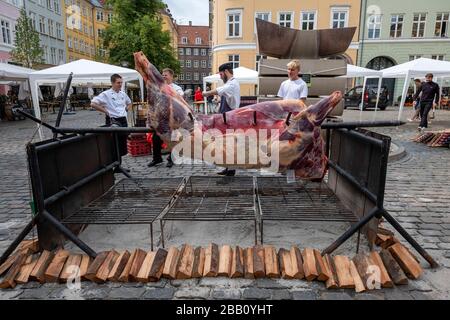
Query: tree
[137,26]
[27,50]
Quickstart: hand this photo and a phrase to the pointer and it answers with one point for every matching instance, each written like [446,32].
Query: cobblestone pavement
[417,194]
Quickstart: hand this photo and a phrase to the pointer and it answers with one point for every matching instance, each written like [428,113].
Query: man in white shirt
[114,103]
[230,97]
[293,88]
[168,75]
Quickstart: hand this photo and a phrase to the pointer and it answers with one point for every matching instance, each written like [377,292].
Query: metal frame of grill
[206,198]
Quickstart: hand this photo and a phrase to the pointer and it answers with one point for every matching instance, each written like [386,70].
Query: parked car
[353,98]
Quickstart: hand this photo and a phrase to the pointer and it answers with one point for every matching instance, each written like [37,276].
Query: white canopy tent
[356,72]
[242,74]
[14,73]
[416,68]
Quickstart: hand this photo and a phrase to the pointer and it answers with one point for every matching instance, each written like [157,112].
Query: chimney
[190,23]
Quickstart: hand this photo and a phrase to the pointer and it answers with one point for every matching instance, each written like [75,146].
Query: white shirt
[114,102]
[293,89]
[232,93]
[178,89]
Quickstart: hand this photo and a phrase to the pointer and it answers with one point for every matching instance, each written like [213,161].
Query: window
[181,51]
[210,64]
[59,30]
[188,76]
[438,57]
[198,40]
[203,52]
[339,18]
[184,40]
[99,32]
[50,5]
[195,63]
[75,44]
[418,29]
[182,63]
[99,15]
[307,20]
[53,56]
[374,26]
[196,76]
[203,74]
[258,58]
[286,19]
[6,32]
[396,26]
[414,57]
[188,63]
[181,77]
[84,11]
[56,6]
[203,63]
[266,16]
[33,19]
[234,58]
[44,53]
[188,51]
[69,41]
[42,24]
[234,25]
[441,29]
[110,17]
[60,56]
[195,52]
[209,52]
[51,28]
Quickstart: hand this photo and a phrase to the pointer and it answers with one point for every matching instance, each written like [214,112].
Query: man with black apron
[230,97]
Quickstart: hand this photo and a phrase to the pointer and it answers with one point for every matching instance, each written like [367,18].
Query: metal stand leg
[124,172]
[17,241]
[256,233]
[162,233]
[151,235]
[262,231]
[358,241]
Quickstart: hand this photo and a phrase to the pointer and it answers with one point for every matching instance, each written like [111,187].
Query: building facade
[47,17]
[394,33]
[234,29]
[169,24]
[9,13]
[194,53]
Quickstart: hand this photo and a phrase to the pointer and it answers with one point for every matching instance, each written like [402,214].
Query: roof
[13,73]
[192,32]
[418,68]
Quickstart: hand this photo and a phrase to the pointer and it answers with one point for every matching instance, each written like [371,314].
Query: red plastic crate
[138,146]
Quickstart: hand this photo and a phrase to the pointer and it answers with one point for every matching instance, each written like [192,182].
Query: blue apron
[224,107]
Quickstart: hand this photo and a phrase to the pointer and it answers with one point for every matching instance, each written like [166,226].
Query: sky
[184,11]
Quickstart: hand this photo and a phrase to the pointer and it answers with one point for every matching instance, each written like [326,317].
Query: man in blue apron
[230,97]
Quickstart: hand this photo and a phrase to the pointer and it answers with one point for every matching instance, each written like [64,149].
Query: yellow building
[234,30]
[102,17]
[169,24]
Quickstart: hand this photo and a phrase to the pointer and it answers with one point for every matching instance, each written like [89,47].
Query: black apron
[224,107]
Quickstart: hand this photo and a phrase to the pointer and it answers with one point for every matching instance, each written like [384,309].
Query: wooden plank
[171,263]
[55,267]
[237,263]
[84,266]
[322,270]
[395,271]
[91,272]
[362,264]
[26,269]
[297,263]
[258,262]
[389,242]
[32,244]
[8,281]
[411,267]
[145,268]
[41,266]
[199,262]
[211,261]
[106,267]
[185,262]
[332,282]
[271,262]
[157,265]
[248,263]
[342,265]
[125,275]
[137,263]
[385,231]
[381,238]
[73,261]
[225,260]
[359,285]
[386,281]
[8,263]
[286,269]
[309,264]
[118,267]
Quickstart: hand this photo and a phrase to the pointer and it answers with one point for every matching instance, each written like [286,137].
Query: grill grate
[215,198]
[130,201]
[301,200]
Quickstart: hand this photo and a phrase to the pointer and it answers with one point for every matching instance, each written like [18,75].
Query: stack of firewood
[394,264]
[434,138]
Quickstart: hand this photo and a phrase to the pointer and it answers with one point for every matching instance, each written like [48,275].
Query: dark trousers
[425,107]
[121,122]
[157,147]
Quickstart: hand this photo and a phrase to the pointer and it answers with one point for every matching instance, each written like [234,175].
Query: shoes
[169,164]
[230,173]
[154,162]
[223,172]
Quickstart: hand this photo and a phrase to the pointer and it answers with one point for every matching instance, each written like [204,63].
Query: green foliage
[27,50]
[137,26]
